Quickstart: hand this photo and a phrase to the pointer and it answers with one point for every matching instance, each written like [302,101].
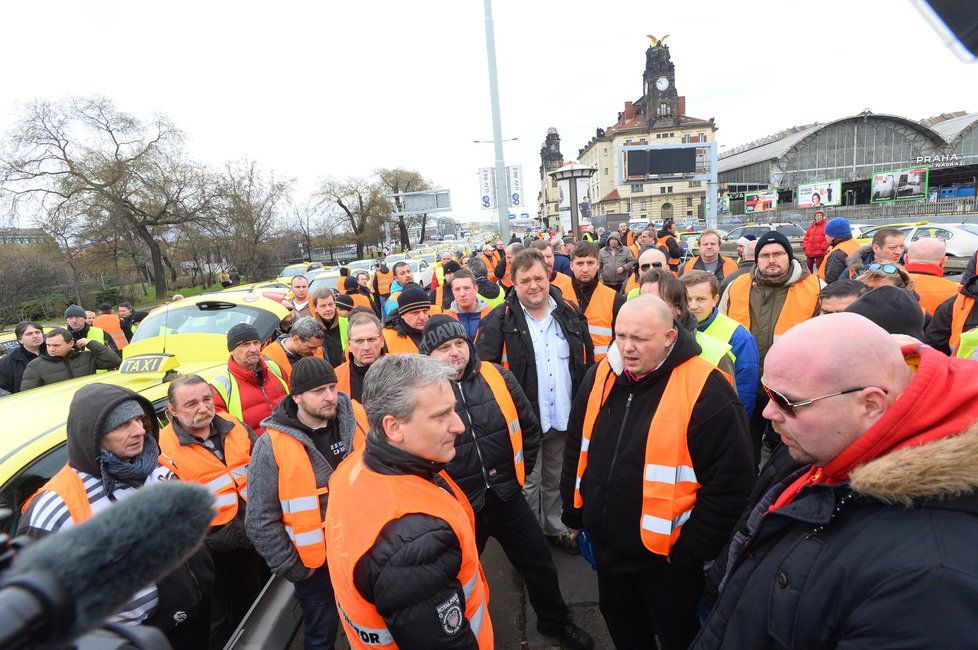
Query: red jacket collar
[926,269]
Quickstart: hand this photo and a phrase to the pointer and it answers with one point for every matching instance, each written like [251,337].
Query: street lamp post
[571,172]
[502,194]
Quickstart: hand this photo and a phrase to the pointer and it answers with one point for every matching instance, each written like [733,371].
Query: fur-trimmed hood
[937,470]
[857,260]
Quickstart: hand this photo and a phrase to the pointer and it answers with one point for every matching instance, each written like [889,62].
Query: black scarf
[128,472]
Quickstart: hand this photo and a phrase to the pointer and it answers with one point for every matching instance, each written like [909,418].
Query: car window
[930,231]
[790,230]
[27,481]
[967,227]
[735,234]
[294,269]
[206,317]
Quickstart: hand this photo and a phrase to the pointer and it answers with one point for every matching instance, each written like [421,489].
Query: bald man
[871,543]
[650,550]
[502,267]
[652,258]
[925,264]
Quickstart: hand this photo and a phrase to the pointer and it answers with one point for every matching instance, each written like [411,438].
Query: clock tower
[659,84]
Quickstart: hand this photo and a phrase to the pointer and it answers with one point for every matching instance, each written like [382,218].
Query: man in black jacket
[66,358]
[657,469]
[545,342]
[30,337]
[491,460]
[941,329]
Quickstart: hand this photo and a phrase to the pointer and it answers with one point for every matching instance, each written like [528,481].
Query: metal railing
[966,209]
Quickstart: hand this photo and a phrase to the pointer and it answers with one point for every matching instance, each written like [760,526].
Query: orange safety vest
[599,314]
[799,304]
[361,504]
[506,404]
[227,480]
[440,296]
[384,282]
[68,485]
[563,282]
[662,244]
[848,247]
[276,352]
[670,484]
[111,325]
[360,300]
[360,432]
[490,262]
[933,290]
[397,344]
[960,311]
[506,281]
[631,283]
[343,377]
[634,249]
[729,266]
[340,284]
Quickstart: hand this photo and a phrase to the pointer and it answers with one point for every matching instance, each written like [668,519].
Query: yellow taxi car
[8,342]
[184,337]
[866,235]
[300,268]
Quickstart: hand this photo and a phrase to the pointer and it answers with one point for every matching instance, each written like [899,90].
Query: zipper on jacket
[614,457]
[482,463]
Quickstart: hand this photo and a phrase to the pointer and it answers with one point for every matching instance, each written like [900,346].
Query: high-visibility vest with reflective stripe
[563,282]
[599,314]
[960,310]
[111,325]
[68,485]
[631,285]
[362,502]
[635,250]
[662,243]
[440,294]
[227,480]
[848,247]
[344,332]
[669,484]
[968,348]
[711,349]
[397,344]
[505,402]
[799,304]
[440,272]
[722,329]
[226,386]
[493,302]
[299,495]
[384,282]
[729,266]
[275,352]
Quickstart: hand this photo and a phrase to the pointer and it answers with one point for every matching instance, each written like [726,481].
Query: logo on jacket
[179,617]
[450,615]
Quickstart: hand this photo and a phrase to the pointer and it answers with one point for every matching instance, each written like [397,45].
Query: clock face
[661,83]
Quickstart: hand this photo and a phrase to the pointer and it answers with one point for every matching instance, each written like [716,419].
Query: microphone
[71,581]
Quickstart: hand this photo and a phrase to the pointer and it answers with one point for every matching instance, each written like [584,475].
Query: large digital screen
[812,195]
[640,164]
[909,184]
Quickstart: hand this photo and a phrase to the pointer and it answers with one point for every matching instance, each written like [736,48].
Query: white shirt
[552,355]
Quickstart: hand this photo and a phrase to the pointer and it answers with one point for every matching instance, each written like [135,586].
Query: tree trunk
[405,238]
[424,228]
[156,255]
[169,265]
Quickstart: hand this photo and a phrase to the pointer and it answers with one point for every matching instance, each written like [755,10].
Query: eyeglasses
[771,256]
[646,267]
[369,341]
[789,407]
[885,268]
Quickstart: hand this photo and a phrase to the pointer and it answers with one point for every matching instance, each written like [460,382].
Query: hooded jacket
[719,445]
[837,263]
[611,260]
[483,453]
[882,559]
[260,393]
[938,332]
[488,290]
[506,326]
[391,305]
[859,260]
[263,520]
[814,242]
[12,366]
[470,320]
[187,587]
[47,369]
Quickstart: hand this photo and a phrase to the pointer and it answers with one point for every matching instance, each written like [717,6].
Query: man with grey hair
[305,339]
[561,251]
[407,580]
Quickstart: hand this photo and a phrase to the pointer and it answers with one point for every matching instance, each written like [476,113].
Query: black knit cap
[412,298]
[451,266]
[344,301]
[309,373]
[241,333]
[438,330]
[892,308]
[773,237]
[350,283]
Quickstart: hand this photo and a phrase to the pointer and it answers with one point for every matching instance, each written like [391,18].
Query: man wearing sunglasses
[886,248]
[776,295]
[651,258]
[871,542]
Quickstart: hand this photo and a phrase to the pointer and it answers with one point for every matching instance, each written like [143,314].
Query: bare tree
[395,181]
[362,204]
[87,149]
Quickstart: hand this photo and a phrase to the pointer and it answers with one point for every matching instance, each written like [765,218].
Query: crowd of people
[751,452]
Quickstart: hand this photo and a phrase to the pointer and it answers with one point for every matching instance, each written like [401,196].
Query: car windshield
[206,317]
[295,269]
[969,227]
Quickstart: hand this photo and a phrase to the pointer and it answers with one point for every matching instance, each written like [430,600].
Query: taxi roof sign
[147,363]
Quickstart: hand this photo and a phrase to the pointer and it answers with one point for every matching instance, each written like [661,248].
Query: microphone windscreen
[104,561]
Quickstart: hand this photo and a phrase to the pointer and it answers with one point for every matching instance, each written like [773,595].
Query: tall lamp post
[572,171]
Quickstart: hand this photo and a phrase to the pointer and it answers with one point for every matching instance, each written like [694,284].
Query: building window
[689,201]
[553,182]
[641,205]
[689,213]
[604,151]
[637,188]
[605,171]
[695,183]
[663,109]
[643,141]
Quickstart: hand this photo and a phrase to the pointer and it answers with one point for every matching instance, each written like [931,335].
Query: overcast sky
[314,89]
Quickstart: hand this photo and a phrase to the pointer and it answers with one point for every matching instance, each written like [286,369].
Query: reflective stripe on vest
[848,247]
[351,536]
[227,480]
[599,314]
[505,402]
[111,325]
[960,310]
[799,304]
[68,485]
[712,349]
[722,329]
[669,483]
[344,332]
[299,497]
[226,386]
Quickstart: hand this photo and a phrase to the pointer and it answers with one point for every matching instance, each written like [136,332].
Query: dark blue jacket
[747,367]
[562,264]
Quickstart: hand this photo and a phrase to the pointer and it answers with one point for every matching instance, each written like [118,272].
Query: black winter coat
[885,560]
[507,324]
[484,453]
[718,442]
[938,332]
[12,368]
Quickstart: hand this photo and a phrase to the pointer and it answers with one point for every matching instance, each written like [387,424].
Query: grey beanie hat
[122,413]
[74,310]
[440,329]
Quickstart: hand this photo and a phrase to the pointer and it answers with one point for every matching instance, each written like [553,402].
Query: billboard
[761,201]
[583,200]
[908,184]
[812,195]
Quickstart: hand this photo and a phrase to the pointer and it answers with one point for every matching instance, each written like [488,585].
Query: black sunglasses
[886,268]
[645,267]
[789,407]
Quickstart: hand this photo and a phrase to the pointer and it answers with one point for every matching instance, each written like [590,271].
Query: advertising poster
[762,201]
[812,195]
[909,184]
[515,174]
[487,187]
